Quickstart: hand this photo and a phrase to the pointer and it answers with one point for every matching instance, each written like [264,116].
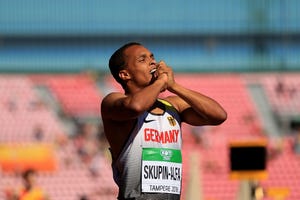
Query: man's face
[139,63]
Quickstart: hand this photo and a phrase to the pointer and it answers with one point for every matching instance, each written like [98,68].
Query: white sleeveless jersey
[150,161]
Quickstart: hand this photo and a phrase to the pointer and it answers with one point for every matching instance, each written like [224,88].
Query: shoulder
[109,101]
[111,98]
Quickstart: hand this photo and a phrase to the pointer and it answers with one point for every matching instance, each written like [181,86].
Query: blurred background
[54,72]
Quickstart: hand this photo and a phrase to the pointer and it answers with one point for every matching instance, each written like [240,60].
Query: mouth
[154,76]
[153,71]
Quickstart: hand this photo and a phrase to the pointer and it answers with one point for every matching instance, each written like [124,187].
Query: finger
[161,63]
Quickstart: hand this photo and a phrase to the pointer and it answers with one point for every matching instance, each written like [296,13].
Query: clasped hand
[165,73]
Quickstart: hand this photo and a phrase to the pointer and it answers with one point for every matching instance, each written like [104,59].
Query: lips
[153,71]
[154,75]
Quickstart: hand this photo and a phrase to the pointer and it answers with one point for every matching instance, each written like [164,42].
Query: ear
[124,75]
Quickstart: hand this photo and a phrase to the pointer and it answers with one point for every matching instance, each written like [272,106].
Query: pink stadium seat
[20,115]
[79,95]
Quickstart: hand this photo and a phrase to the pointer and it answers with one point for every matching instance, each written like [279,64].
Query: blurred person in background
[144,131]
[30,191]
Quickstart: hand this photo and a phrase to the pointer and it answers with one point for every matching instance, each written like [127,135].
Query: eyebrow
[145,55]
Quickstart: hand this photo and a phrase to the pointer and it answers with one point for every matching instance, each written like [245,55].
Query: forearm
[143,99]
[204,106]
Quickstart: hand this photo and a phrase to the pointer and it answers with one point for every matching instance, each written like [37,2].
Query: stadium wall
[74,35]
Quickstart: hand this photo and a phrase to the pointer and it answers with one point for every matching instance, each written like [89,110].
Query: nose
[152,61]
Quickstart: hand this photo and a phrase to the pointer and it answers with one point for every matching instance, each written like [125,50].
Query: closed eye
[144,58]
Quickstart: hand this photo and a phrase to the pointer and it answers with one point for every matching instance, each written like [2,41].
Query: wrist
[161,84]
[174,87]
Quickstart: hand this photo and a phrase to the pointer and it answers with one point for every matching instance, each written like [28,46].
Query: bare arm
[197,109]
[194,107]
[120,107]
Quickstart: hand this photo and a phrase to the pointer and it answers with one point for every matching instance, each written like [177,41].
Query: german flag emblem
[172,121]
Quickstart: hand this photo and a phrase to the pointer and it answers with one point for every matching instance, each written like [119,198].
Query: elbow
[222,117]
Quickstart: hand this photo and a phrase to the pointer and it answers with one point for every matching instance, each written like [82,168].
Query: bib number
[161,170]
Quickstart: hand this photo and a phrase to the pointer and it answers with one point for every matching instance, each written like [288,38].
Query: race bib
[161,170]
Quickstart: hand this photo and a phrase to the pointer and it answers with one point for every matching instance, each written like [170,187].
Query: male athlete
[144,132]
